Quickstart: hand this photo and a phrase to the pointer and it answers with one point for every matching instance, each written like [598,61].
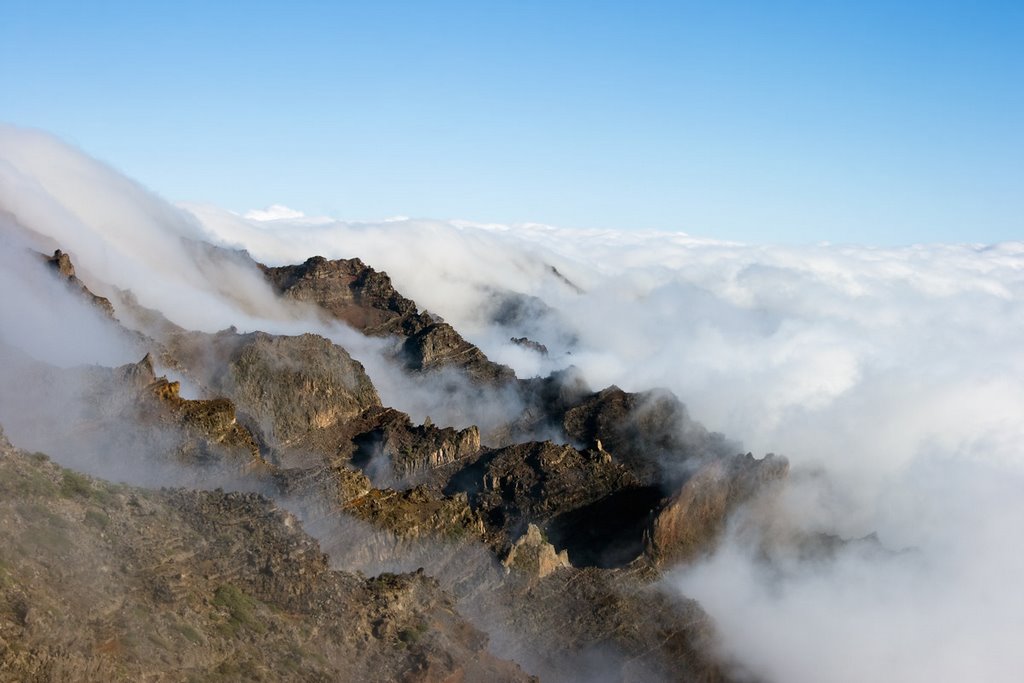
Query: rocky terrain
[109,582]
[346,541]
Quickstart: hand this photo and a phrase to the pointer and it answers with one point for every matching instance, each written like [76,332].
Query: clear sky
[877,122]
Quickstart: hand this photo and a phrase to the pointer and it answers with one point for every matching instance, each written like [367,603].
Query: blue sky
[869,122]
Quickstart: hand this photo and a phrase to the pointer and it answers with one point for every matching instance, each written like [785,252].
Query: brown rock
[397,453]
[535,556]
[693,519]
[60,262]
[350,291]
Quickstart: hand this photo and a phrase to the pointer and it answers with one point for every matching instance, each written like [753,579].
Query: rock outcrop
[61,264]
[350,291]
[395,452]
[533,482]
[533,555]
[650,432]
[693,519]
[298,393]
[528,343]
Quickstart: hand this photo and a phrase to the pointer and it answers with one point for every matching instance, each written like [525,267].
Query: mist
[890,378]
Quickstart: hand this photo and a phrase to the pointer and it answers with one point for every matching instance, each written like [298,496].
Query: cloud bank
[893,380]
[893,375]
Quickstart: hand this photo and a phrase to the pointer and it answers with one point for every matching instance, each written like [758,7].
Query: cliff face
[553,547]
[695,516]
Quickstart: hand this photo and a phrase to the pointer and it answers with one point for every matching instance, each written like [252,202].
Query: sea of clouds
[892,379]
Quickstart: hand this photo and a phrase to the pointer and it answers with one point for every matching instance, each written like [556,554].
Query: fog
[894,375]
[892,379]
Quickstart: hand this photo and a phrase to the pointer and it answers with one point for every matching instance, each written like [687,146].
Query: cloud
[273,212]
[893,380]
[895,374]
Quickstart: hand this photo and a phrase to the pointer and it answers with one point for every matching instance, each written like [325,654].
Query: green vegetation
[97,518]
[75,485]
[241,609]
[189,632]
[25,481]
[412,635]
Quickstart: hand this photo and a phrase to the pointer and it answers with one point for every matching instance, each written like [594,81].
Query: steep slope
[101,581]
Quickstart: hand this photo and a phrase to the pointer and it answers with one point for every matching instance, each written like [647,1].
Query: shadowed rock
[528,483]
[528,343]
[396,452]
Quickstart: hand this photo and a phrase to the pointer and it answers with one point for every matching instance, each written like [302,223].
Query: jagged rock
[533,555]
[60,262]
[527,343]
[126,418]
[396,452]
[691,521]
[569,521]
[351,291]
[536,482]
[650,432]
[210,422]
[439,346]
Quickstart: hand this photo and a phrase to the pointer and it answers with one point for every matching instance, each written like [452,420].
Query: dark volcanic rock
[396,452]
[536,482]
[527,343]
[440,346]
[650,432]
[352,292]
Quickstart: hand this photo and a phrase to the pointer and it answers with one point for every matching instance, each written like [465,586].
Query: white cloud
[897,372]
[274,212]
